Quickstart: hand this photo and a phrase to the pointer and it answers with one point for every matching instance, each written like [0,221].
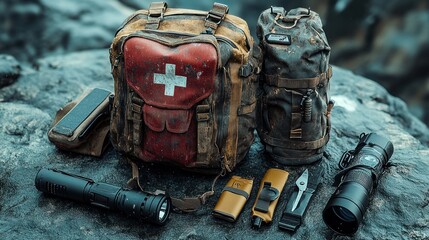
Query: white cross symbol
[169,79]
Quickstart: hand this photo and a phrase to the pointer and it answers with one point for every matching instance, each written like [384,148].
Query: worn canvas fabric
[185,84]
[294,111]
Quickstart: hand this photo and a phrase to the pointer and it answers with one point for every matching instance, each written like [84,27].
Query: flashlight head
[145,206]
[163,210]
[346,207]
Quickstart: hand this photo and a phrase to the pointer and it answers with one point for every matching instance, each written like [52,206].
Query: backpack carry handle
[215,17]
[156,14]
[286,18]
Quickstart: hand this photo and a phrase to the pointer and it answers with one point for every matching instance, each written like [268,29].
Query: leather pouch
[233,198]
[268,196]
[82,126]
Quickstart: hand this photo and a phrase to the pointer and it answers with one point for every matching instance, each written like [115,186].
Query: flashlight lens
[163,211]
[343,214]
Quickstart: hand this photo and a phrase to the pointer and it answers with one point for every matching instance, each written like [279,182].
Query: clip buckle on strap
[246,70]
[278,10]
[267,195]
[156,14]
[215,17]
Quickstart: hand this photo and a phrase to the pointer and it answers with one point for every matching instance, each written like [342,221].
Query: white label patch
[169,79]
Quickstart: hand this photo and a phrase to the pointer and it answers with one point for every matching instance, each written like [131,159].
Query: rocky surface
[399,208]
[34,28]
[42,33]
[9,70]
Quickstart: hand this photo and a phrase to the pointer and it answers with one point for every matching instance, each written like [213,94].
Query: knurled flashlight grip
[144,206]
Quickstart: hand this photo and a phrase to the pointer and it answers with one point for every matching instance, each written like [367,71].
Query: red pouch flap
[173,77]
[176,121]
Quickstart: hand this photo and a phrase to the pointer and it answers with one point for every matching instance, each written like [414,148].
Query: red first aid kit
[171,81]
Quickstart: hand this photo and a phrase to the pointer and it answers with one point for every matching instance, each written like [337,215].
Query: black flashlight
[360,170]
[142,205]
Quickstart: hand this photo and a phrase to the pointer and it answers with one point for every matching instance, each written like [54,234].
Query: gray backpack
[294,110]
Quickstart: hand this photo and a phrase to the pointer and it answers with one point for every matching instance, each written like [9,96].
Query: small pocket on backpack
[169,135]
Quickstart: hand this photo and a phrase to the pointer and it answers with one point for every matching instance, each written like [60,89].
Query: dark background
[61,46]
[387,41]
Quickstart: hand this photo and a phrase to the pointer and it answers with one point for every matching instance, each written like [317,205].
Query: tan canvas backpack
[185,88]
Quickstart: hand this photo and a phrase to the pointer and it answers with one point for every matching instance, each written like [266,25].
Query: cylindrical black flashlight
[359,175]
[145,206]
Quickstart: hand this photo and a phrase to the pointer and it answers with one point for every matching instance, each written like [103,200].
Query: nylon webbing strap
[215,16]
[290,83]
[191,204]
[136,117]
[236,191]
[182,204]
[134,182]
[194,203]
[246,109]
[311,145]
[296,117]
[204,134]
[231,145]
[331,104]
[296,128]
[156,14]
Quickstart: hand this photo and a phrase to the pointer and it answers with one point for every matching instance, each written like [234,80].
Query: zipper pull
[117,60]
[116,63]
[307,105]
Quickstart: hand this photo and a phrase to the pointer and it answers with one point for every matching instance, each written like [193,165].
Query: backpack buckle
[215,16]
[156,14]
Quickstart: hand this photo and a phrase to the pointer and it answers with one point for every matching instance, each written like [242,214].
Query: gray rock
[135,4]
[398,209]
[9,70]
[59,80]
[31,29]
